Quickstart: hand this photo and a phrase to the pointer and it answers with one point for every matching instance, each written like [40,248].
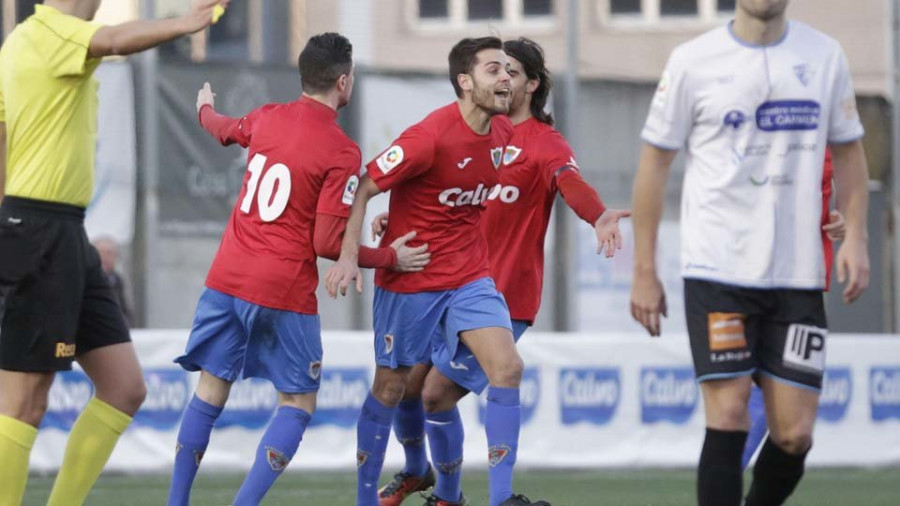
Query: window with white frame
[461,13]
[653,11]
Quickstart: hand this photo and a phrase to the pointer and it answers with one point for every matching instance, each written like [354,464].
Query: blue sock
[372,433]
[193,438]
[758,425]
[445,438]
[276,449]
[502,420]
[409,426]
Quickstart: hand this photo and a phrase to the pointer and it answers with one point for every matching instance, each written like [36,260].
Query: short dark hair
[462,57]
[531,56]
[325,58]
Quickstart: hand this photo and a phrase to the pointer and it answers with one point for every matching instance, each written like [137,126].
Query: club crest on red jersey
[497,157]
[496,454]
[277,460]
[510,155]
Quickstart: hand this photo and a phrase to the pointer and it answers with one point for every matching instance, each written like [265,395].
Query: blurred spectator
[109,259]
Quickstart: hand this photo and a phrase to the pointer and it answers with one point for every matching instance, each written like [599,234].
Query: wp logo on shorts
[837,391]
[168,392]
[69,394]
[589,395]
[341,396]
[250,404]
[668,394]
[529,396]
[884,393]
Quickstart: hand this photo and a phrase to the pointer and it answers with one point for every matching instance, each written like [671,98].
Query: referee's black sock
[775,475]
[719,478]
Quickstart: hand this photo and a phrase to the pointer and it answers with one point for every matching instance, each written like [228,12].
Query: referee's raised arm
[136,36]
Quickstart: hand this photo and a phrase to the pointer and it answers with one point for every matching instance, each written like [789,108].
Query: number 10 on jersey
[277,180]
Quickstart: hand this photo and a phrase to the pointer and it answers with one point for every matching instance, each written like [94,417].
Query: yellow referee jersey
[48,100]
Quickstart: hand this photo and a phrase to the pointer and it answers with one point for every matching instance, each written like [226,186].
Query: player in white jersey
[753,104]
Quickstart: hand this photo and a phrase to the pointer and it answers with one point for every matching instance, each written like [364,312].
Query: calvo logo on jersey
[70,393]
[529,396]
[168,392]
[341,395]
[589,395]
[457,197]
[250,405]
[837,391]
[668,394]
[884,393]
[779,115]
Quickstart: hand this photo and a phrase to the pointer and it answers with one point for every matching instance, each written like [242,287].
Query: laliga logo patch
[350,190]
[277,460]
[497,157]
[496,454]
[388,343]
[390,159]
[361,458]
[510,155]
[315,370]
[662,91]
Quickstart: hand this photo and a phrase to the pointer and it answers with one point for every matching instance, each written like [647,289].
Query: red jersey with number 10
[517,218]
[300,163]
[440,173]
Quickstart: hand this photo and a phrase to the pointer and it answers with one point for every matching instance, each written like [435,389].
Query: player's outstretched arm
[851,175]
[136,36]
[346,269]
[582,198]
[225,129]
[648,301]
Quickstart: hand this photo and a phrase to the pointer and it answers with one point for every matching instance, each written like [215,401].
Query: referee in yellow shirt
[55,303]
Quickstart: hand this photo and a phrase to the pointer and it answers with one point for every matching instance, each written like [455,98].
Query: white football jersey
[754,122]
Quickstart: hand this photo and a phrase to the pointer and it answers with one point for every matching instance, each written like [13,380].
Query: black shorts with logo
[737,331]
[55,301]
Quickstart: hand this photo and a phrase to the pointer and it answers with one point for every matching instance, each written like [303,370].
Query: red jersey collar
[318,108]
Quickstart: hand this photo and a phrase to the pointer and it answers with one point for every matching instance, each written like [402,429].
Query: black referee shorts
[55,302]
[736,331]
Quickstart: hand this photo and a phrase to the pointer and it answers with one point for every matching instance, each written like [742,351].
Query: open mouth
[504,94]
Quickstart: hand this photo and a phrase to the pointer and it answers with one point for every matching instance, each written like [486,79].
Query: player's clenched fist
[340,275]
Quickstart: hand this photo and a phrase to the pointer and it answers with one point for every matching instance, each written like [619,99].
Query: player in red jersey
[441,172]
[257,316]
[537,163]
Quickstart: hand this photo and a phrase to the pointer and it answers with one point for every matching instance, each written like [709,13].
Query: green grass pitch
[820,487]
